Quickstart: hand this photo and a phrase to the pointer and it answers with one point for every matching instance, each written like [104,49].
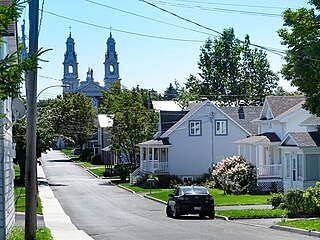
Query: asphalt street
[106,212]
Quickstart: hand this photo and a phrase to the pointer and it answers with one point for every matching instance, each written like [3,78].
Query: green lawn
[17,233]
[20,200]
[252,213]
[68,153]
[140,189]
[98,171]
[223,200]
[89,164]
[309,224]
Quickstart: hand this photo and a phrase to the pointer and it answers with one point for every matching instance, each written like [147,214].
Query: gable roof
[169,118]
[92,87]
[302,139]
[313,120]
[250,113]
[268,137]
[281,104]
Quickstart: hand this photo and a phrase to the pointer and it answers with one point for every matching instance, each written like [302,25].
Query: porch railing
[270,171]
[154,166]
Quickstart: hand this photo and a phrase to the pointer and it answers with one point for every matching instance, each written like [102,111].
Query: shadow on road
[60,160]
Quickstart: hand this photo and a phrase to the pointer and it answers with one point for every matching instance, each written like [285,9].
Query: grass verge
[17,233]
[222,200]
[308,224]
[20,200]
[252,213]
[98,171]
[138,189]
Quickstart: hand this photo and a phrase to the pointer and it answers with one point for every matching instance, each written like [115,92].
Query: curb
[296,230]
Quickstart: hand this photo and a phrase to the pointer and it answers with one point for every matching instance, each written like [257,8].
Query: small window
[111,69]
[195,128]
[70,69]
[221,127]
[187,179]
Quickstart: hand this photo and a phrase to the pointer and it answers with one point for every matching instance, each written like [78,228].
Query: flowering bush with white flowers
[234,175]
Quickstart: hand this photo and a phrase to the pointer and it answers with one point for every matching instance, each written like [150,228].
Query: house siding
[7,210]
[192,155]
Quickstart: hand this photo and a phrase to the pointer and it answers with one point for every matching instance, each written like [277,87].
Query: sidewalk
[55,218]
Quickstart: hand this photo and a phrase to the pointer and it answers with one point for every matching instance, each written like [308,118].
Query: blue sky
[150,62]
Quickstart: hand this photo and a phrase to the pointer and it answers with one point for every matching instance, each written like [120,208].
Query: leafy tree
[132,121]
[231,71]
[170,93]
[11,67]
[301,36]
[73,118]
[279,91]
[45,139]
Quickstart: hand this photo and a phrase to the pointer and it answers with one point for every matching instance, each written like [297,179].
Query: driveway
[107,212]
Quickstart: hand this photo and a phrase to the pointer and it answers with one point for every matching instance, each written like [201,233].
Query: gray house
[188,142]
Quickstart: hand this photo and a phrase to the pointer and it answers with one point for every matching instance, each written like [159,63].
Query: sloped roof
[313,120]
[155,142]
[169,118]
[304,139]
[281,104]
[166,106]
[269,137]
[250,113]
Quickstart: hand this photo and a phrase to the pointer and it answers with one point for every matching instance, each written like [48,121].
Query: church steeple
[111,63]
[70,66]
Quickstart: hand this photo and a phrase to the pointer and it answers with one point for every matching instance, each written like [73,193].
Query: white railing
[154,166]
[135,176]
[270,171]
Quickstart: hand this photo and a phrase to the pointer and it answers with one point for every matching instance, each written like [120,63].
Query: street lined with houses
[105,211]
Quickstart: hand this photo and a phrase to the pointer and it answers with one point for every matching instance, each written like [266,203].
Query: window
[70,69]
[187,179]
[111,69]
[221,127]
[195,128]
[299,167]
[287,169]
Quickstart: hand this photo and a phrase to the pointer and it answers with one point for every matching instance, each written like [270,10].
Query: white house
[7,148]
[286,150]
[188,142]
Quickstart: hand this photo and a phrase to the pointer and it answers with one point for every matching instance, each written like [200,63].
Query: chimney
[241,110]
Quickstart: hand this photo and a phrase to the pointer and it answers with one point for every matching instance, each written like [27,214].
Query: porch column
[141,157]
[239,149]
[250,153]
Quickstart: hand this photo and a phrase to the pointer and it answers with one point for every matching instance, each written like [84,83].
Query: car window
[176,192]
[194,190]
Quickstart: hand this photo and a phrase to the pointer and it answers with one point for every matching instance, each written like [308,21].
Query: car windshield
[194,190]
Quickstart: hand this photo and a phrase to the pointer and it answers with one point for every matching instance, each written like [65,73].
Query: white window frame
[195,127]
[187,179]
[221,127]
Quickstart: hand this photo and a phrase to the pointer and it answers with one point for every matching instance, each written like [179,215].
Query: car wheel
[201,215]
[211,215]
[168,212]
[176,213]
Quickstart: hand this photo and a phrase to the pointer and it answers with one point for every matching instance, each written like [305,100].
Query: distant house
[188,142]
[286,150]
[7,148]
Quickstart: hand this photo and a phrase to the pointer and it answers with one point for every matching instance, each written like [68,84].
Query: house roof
[155,142]
[269,137]
[281,104]
[311,121]
[302,139]
[166,106]
[250,113]
[169,118]
[105,121]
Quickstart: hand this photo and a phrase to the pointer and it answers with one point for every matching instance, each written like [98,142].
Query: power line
[145,17]
[230,4]
[123,31]
[272,50]
[245,12]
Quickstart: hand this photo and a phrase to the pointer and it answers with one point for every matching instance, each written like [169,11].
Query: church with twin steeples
[89,87]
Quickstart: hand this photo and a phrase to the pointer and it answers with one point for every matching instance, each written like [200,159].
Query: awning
[106,149]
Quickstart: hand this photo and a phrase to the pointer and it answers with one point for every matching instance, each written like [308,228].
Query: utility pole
[31,156]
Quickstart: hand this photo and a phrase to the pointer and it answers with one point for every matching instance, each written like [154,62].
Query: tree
[11,66]
[231,71]
[73,118]
[170,93]
[132,121]
[301,36]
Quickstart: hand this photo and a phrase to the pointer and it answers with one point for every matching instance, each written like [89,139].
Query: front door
[295,168]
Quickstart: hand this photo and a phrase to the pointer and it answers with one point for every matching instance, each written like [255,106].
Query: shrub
[122,170]
[234,175]
[276,199]
[168,181]
[96,159]
[294,202]
[85,155]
